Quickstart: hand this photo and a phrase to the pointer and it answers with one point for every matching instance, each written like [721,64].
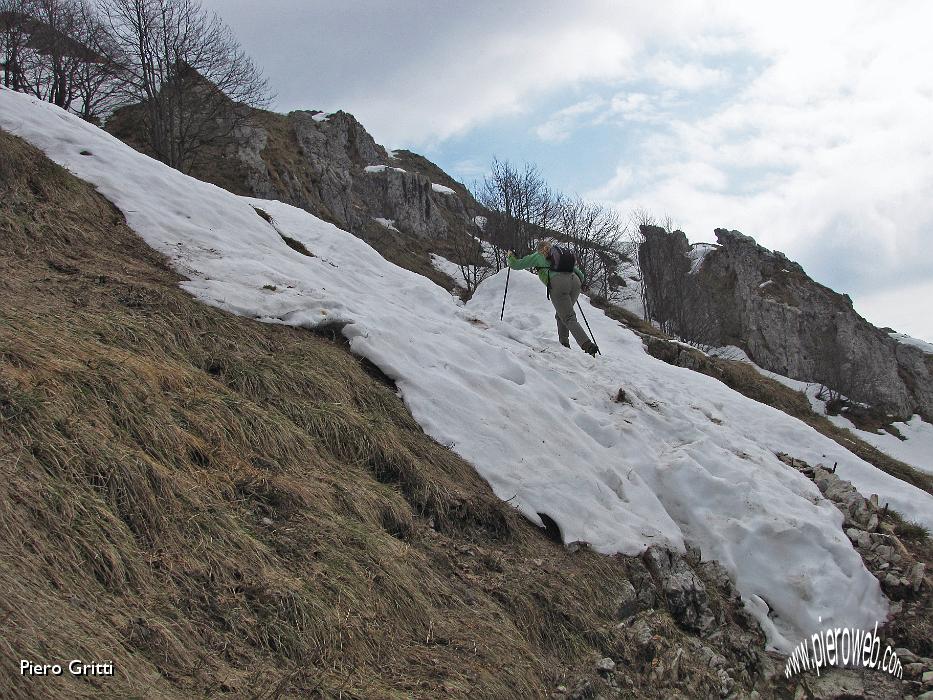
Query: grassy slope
[226,507]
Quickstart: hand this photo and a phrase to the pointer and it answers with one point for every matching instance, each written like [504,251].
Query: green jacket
[540,263]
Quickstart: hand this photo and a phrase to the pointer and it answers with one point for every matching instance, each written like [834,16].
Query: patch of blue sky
[579,137]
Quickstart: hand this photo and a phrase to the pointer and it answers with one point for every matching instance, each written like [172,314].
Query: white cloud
[634,106]
[560,125]
[469,168]
[904,308]
[416,77]
[688,77]
[826,154]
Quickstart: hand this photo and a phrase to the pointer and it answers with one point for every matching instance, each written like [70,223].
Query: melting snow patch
[321,116]
[443,189]
[449,268]
[731,352]
[381,169]
[388,223]
[916,449]
[537,421]
[697,253]
[489,251]
[914,342]
[480,221]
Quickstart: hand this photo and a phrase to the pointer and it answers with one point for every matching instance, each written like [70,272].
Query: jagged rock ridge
[331,166]
[399,202]
[742,294]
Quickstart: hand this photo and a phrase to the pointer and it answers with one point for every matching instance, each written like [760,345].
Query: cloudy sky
[806,125]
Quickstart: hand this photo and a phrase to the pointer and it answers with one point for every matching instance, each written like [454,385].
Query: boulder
[916,575]
[606,665]
[626,602]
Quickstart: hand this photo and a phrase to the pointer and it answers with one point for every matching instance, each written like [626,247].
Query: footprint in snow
[602,434]
[513,372]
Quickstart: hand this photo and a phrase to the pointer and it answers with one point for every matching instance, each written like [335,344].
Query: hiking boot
[590,348]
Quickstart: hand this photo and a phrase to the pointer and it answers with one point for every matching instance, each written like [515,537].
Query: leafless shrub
[468,255]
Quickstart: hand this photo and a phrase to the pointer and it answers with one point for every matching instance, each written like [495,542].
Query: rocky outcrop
[331,166]
[683,590]
[900,562]
[915,367]
[739,293]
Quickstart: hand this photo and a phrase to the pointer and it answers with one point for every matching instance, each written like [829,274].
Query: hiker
[563,282]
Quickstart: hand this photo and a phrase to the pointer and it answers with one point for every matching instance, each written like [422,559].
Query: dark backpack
[561,259]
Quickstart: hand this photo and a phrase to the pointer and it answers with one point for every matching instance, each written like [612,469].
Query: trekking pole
[592,337]
[507,275]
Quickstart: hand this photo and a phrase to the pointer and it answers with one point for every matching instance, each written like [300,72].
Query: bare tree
[15,23]
[96,78]
[184,67]
[522,207]
[59,51]
[595,234]
[42,49]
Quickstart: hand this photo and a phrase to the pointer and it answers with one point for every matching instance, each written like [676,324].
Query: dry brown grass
[225,507]
[626,317]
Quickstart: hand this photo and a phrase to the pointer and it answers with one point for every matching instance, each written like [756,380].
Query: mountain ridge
[739,293]
[330,166]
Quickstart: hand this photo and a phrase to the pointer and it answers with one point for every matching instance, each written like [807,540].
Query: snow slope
[685,458]
[915,342]
[916,449]
[449,268]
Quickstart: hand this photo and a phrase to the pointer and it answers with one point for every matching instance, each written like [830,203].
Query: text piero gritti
[75,667]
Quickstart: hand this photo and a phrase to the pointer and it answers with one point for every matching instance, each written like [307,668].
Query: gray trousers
[565,288]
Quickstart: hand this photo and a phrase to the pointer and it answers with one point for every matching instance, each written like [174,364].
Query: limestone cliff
[739,293]
[331,166]
[402,204]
